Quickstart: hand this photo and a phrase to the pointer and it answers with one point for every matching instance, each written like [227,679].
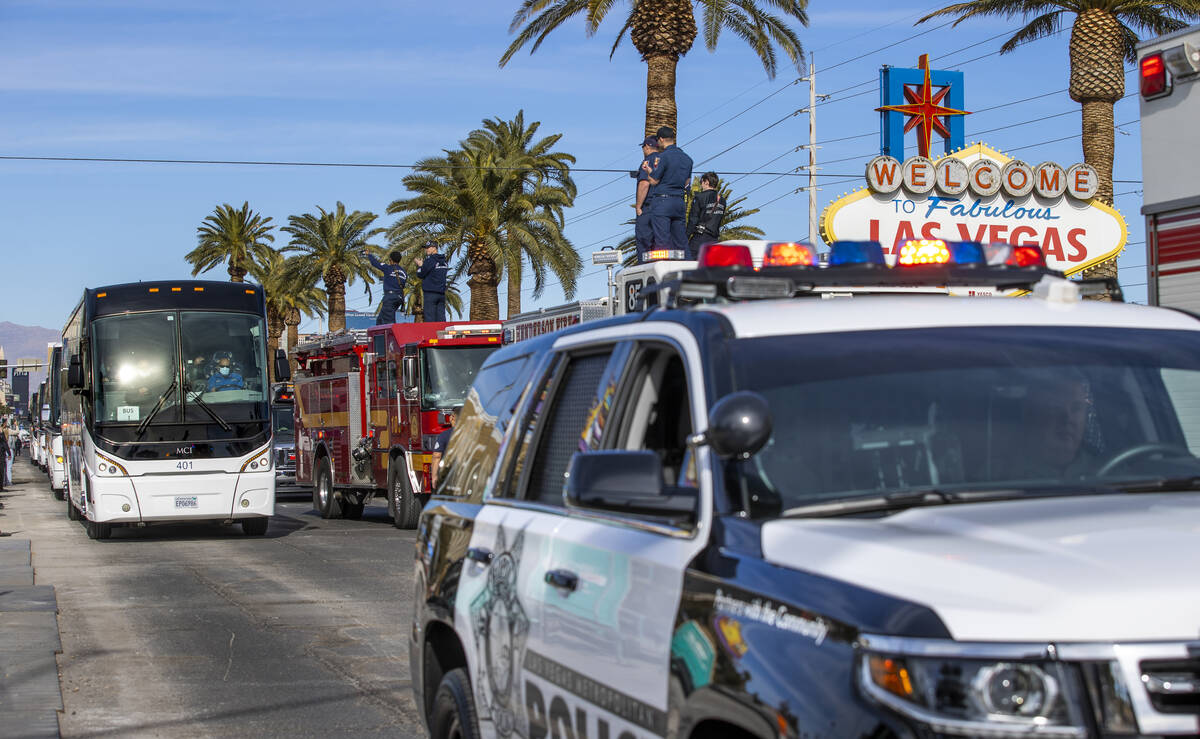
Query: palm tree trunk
[1097,82]
[237,273]
[484,284]
[514,287]
[293,335]
[337,306]
[273,335]
[660,92]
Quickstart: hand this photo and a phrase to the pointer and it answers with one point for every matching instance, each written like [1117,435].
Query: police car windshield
[447,373]
[869,414]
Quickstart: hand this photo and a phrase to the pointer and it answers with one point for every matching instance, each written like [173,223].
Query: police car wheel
[453,715]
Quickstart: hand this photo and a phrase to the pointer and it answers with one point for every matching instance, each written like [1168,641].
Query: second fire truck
[370,405]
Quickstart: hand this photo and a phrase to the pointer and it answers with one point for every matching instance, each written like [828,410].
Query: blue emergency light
[846,253]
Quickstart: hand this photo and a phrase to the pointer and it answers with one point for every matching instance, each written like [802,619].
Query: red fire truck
[369,406]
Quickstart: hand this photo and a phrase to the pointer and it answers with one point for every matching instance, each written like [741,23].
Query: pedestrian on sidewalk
[5,459]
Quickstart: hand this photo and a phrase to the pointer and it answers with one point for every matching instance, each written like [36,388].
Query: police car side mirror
[283,370]
[739,424]
[75,373]
[624,481]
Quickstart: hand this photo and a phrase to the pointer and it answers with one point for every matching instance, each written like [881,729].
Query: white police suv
[762,511]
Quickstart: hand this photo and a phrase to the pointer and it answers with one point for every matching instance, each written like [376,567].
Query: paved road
[199,631]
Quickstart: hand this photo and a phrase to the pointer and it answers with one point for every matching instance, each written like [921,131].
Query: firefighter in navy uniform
[394,277]
[669,178]
[432,272]
[704,219]
[641,225]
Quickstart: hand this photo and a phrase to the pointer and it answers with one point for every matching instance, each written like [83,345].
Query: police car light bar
[725,255]
[845,253]
[936,251]
[789,254]
[659,255]
[1014,256]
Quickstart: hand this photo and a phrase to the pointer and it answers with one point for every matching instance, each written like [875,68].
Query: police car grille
[1173,685]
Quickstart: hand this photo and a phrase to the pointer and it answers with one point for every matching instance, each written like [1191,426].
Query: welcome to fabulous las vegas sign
[972,193]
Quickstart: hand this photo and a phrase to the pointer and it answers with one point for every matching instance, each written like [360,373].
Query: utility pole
[813,232]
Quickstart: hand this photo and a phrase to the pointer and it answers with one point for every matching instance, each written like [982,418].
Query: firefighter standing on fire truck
[394,277]
[432,272]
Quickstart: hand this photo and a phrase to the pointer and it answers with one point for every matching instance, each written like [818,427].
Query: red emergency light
[1154,82]
[725,255]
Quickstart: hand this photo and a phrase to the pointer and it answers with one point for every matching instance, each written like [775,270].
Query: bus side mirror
[283,370]
[408,376]
[75,373]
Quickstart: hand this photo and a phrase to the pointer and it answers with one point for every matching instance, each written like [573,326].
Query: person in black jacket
[432,272]
[704,219]
[394,277]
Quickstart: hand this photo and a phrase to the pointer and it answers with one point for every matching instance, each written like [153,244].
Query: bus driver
[224,377]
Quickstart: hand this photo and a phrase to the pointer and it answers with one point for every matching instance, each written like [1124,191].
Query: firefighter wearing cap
[641,225]
[432,270]
[669,178]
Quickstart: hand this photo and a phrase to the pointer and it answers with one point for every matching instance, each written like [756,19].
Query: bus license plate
[186,501]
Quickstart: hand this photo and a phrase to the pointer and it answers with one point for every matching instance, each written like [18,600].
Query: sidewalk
[30,697]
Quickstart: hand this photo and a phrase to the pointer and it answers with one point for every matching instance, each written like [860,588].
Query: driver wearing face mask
[224,376]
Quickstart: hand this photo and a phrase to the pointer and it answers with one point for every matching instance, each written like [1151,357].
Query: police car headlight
[977,697]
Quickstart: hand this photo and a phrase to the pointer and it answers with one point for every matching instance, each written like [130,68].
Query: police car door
[504,610]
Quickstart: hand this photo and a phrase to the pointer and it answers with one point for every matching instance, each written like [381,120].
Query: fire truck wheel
[406,509]
[324,497]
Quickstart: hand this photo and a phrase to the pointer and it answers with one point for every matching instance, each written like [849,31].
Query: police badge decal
[501,628]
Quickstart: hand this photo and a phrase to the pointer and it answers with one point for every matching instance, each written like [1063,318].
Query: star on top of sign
[925,110]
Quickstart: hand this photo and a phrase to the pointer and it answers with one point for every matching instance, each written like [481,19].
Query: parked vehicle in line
[370,405]
[150,436]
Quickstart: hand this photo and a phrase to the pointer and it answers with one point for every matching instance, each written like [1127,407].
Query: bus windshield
[448,372]
[139,377]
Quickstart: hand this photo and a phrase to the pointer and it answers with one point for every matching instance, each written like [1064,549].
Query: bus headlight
[108,468]
[261,463]
[977,697]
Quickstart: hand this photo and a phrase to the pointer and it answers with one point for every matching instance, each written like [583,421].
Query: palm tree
[332,245]
[239,237]
[733,225]
[544,176]
[663,31]
[1102,40]
[289,293]
[488,204]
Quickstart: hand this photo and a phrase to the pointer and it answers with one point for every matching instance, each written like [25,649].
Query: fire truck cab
[370,405]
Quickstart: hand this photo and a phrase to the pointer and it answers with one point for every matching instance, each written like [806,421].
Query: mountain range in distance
[21,342]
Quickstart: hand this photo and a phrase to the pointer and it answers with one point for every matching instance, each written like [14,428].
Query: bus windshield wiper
[206,408]
[141,429]
[905,499]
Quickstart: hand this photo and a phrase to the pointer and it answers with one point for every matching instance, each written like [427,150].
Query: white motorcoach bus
[166,406]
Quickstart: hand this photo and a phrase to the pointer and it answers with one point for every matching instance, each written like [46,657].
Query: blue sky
[392,82]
